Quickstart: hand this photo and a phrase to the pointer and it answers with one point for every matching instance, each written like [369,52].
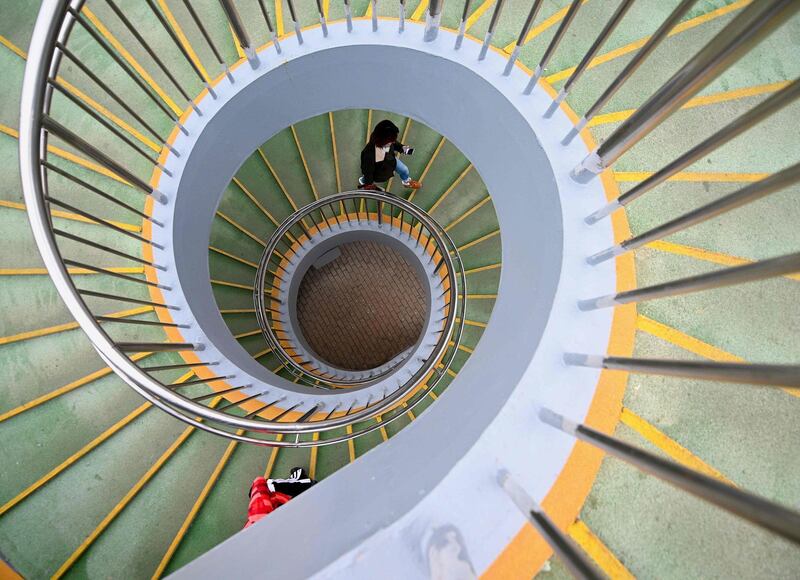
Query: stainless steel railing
[362,208]
[39,125]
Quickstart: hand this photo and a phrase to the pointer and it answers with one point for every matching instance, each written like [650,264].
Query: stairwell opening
[360,305]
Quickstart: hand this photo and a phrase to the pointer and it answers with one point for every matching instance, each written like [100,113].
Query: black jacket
[380,171]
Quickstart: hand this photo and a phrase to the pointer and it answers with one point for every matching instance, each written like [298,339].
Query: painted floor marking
[702,101]
[183,40]
[233,257]
[545,24]
[598,551]
[637,44]
[694,176]
[476,15]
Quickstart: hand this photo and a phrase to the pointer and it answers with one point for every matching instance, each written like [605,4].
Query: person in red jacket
[267,495]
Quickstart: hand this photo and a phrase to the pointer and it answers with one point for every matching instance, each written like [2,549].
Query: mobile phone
[408,150]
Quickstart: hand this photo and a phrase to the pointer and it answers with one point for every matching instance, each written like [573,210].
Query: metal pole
[728,372]
[80,240]
[374,15]
[492,25]
[572,557]
[462,27]
[235,20]
[755,22]
[562,29]
[56,128]
[523,36]
[295,21]
[748,194]
[616,18]
[190,9]
[659,35]
[268,20]
[158,347]
[751,118]
[402,21]
[751,507]
[779,266]
[348,12]
[322,21]
[433,18]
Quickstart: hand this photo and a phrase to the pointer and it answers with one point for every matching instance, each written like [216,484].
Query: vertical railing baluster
[551,48]
[402,22]
[322,20]
[235,20]
[374,4]
[523,36]
[190,9]
[498,8]
[348,13]
[749,28]
[615,19]
[462,26]
[273,35]
[295,21]
[433,18]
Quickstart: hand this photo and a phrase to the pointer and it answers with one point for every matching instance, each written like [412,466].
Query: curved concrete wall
[439,472]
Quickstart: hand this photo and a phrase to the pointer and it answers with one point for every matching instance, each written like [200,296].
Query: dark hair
[383,133]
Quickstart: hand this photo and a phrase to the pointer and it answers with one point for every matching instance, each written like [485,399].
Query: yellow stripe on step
[183,40]
[451,188]
[705,255]
[246,232]
[478,241]
[351,448]
[702,101]
[123,503]
[71,271]
[335,152]
[368,13]
[637,44]
[73,458]
[233,257]
[70,157]
[13,48]
[419,11]
[428,166]
[232,285]
[236,44]
[305,163]
[468,213]
[204,493]
[255,201]
[70,216]
[277,179]
[67,326]
[326,7]
[483,268]
[63,390]
[691,344]
[246,334]
[545,24]
[697,176]
[598,551]
[237,311]
[473,323]
[272,457]
[312,462]
[673,449]
[279,17]
[476,15]
[128,57]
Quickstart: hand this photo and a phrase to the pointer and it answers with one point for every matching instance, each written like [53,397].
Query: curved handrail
[443,246]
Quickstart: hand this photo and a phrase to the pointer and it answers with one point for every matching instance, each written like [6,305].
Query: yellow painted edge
[368,12]
[453,185]
[277,179]
[257,203]
[70,271]
[543,26]
[479,11]
[637,44]
[672,448]
[528,552]
[148,475]
[496,266]
[326,8]
[701,176]
[212,480]
[420,10]
[13,48]
[305,163]
[239,52]
[312,462]
[478,241]
[705,255]
[6,571]
[67,326]
[110,116]
[183,40]
[428,166]
[351,448]
[335,151]
[233,257]
[73,458]
[279,17]
[113,41]
[242,229]
[232,284]
[273,455]
[691,344]
[701,101]
[468,213]
[598,551]
[237,310]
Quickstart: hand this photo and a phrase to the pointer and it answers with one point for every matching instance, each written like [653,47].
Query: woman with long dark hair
[379,158]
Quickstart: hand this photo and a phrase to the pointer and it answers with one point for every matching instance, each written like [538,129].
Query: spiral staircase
[178,166]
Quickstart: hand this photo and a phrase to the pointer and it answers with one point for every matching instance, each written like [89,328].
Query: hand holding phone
[408,150]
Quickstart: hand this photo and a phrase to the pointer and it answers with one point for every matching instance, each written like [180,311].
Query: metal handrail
[443,247]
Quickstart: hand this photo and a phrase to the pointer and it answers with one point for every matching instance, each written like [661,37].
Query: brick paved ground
[363,308]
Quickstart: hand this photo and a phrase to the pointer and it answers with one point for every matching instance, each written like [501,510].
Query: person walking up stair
[379,158]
